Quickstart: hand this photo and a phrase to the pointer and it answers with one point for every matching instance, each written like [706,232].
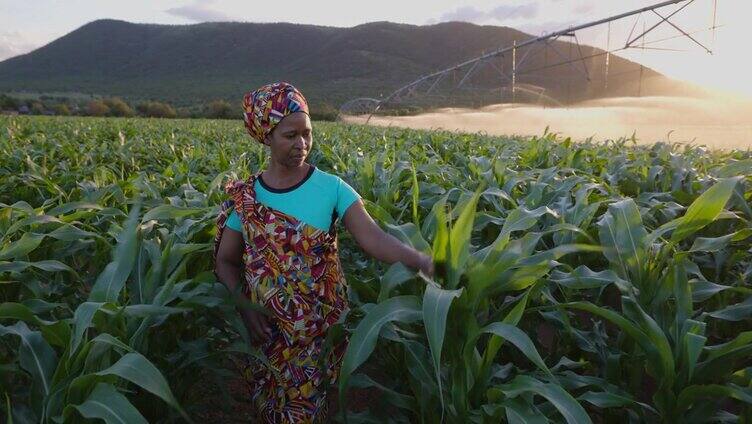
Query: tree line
[118,107]
[114,107]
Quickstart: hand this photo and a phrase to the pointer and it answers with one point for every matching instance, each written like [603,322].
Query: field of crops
[577,283]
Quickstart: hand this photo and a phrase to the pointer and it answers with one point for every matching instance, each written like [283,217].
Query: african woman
[277,245]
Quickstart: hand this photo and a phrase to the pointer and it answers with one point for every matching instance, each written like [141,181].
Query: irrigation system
[456,78]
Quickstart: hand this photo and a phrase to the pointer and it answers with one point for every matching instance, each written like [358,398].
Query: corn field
[575,282]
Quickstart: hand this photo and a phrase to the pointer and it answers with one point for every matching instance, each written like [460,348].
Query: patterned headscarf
[265,107]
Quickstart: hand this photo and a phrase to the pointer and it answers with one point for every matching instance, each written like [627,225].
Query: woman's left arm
[382,246]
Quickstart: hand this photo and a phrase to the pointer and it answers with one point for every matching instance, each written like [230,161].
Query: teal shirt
[314,200]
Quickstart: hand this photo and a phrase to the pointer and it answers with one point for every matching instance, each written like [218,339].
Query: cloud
[13,43]
[495,15]
[584,8]
[464,14]
[199,12]
[538,28]
[525,11]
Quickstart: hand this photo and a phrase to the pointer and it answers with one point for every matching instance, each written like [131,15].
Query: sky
[26,25]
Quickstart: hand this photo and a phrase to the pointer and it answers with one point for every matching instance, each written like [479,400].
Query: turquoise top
[314,200]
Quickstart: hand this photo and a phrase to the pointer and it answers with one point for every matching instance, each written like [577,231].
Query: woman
[282,239]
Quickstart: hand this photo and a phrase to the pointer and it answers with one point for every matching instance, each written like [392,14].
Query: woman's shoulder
[326,178]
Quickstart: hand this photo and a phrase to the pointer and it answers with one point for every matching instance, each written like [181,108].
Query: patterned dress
[292,269]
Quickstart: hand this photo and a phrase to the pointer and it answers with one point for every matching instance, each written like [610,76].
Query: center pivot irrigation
[440,86]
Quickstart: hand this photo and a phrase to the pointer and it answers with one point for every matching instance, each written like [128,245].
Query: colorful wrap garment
[265,107]
[293,270]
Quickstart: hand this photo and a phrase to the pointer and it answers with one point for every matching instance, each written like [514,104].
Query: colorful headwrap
[265,107]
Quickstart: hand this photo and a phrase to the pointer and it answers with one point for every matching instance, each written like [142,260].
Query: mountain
[190,64]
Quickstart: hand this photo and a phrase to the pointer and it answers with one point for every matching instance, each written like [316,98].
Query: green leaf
[410,234]
[45,265]
[655,336]
[135,368]
[363,340]
[9,410]
[107,404]
[81,321]
[496,272]
[703,290]
[112,279]
[22,247]
[170,212]
[56,333]
[520,219]
[441,252]
[436,303]
[416,197]
[736,312]
[606,400]
[702,244]
[520,340]
[584,278]
[693,344]
[146,310]
[655,356]
[705,208]
[569,408]
[69,232]
[692,394]
[394,276]
[719,366]
[741,340]
[512,318]
[20,312]
[459,240]
[399,400]
[35,355]
[735,168]
[624,238]
[520,412]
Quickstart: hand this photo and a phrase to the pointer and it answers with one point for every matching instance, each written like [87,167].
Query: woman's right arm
[228,270]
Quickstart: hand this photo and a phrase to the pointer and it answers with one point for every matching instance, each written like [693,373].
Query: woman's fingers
[266,327]
[257,325]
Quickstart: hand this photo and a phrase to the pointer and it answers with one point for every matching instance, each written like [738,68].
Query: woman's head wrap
[265,107]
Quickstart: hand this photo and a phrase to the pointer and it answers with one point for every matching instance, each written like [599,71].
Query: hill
[187,64]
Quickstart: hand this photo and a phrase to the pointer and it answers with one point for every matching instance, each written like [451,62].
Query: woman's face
[291,140]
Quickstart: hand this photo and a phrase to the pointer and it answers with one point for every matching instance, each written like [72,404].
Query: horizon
[25,31]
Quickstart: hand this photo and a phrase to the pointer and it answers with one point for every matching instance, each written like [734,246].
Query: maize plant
[575,282]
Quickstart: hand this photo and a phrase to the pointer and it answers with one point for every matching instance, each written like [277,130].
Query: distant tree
[8,103]
[156,110]
[118,107]
[62,109]
[185,112]
[324,112]
[37,108]
[220,109]
[97,108]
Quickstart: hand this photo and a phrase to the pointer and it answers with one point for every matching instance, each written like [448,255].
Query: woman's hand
[257,324]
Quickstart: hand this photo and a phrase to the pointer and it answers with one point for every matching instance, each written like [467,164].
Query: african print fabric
[293,270]
[265,107]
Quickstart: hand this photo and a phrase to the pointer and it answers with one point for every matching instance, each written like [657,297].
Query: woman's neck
[280,176]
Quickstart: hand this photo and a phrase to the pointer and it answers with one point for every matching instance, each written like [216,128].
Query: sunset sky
[26,25]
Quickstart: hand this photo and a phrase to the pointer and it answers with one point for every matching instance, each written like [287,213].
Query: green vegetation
[576,282]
